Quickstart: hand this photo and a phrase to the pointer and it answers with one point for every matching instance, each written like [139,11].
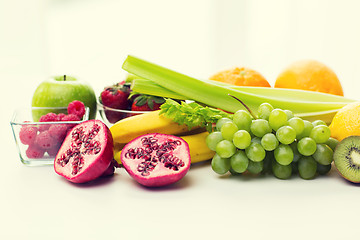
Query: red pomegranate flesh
[156,159]
[86,153]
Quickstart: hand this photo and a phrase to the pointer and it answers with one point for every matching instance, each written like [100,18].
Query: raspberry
[43,127]
[60,116]
[44,140]
[27,134]
[34,151]
[76,107]
[53,151]
[70,117]
[58,131]
[49,117]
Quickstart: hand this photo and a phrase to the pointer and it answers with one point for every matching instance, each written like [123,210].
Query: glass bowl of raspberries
[117,102]
[39,141]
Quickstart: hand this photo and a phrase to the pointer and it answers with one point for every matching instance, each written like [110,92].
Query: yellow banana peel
[129,128]
[117,154]
[199,151]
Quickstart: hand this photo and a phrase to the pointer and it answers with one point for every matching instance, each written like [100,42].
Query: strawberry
[147,103]
[116,96]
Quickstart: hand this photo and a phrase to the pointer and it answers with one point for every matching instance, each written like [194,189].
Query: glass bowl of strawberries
[117,102]
[112,115]
[39,141]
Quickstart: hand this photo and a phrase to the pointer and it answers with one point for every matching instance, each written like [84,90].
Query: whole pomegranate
[86,153]
[156,159]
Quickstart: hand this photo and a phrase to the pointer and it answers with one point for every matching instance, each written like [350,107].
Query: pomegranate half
[156,159]
[86,153]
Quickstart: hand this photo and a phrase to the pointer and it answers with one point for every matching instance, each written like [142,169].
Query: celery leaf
[192,114]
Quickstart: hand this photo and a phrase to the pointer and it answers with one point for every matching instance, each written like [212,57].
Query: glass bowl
[112,115]
[38,142]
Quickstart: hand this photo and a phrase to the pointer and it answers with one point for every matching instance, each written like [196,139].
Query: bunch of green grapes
[275,142]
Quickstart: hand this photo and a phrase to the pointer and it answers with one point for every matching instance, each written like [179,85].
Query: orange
[241,77]
[309,75]
[346,121]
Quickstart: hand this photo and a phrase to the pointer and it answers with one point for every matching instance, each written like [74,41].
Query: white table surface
[36,203]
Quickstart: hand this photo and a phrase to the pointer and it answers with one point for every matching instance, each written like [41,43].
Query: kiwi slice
[347,158]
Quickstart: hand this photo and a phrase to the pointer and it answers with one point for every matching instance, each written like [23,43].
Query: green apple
[59,91]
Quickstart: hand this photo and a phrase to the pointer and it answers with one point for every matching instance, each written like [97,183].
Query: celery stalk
[216,95]
[295,94]
[149,87]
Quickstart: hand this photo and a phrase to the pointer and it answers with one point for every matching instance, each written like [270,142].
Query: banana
[118,146]
[117,154]
[129,128]
[199,151]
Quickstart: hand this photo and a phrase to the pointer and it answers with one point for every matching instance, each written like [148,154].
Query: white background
[91,38]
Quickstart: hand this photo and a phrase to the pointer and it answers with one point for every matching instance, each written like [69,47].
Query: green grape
[213,139]
[256,140]
[242,119]
[297,155]
[220,122]
[332,143]
[228,129]
[320,133]
[225,148]
[255,152]
[264,110]
[281,171]
[318,122]
[289,114]
[260,127]
[297,124]
[283,154]
[323,169]
[307,130]
[323,154]
[220,165]
[286,134]
[233,173]
[307,167]
[269,142]
[239,162]
[294,166]
[277,119]
[242,139]
[255,167]
[306,146]
[269,157]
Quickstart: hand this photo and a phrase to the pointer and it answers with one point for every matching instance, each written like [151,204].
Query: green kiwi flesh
[347,158]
